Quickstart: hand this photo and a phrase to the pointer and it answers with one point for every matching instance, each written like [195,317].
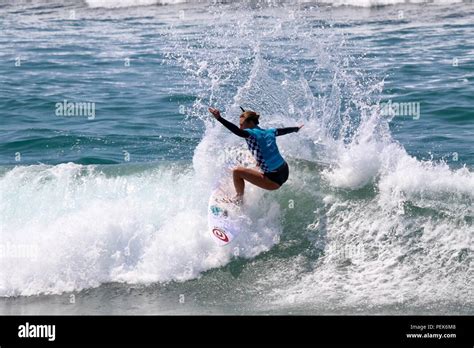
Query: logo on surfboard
[216,210]
[220,234]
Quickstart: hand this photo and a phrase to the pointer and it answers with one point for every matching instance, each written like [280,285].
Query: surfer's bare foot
[238,199]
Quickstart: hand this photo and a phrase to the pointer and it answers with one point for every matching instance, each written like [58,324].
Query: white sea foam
[89,228]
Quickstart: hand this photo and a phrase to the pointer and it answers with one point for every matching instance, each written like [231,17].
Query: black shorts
[279,175]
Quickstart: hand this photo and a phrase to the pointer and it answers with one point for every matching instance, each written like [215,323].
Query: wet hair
[250,116]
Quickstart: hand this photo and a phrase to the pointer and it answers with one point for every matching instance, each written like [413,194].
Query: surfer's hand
[300,127]
[215,112]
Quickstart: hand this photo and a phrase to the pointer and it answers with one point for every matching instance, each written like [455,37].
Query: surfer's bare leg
[253,176]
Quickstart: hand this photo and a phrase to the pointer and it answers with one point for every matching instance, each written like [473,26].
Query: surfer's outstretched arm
[229,125]
[233,128]
[287,130]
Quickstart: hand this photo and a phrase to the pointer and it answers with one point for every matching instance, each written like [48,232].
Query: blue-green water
[109,203]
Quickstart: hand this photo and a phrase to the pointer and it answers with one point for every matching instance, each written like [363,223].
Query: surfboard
[226,219]
[224,215]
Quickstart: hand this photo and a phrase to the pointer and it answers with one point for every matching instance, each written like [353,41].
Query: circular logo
[220,234]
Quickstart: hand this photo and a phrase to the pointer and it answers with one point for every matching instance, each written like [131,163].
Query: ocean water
[105,211]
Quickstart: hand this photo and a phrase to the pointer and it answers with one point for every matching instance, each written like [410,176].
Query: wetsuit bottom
[279,175]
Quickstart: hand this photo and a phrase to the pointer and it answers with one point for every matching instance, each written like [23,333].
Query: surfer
[273,170]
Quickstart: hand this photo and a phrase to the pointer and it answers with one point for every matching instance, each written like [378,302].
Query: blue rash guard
[262,143]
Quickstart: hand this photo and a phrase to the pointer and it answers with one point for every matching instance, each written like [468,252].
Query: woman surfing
[273,170]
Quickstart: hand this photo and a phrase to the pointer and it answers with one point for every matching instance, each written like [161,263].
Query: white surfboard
[226,219]
[224,216]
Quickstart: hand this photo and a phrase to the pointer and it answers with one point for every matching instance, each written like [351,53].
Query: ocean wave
[335,3]
[80,226]
[373,225]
